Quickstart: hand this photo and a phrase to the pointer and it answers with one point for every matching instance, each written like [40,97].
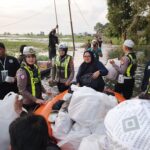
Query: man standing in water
[53,40]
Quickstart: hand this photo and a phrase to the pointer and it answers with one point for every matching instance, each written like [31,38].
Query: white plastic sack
[112,72]
[7,115]
[62,125]
[94,142]
[128,125]
[73,139]
[88,107]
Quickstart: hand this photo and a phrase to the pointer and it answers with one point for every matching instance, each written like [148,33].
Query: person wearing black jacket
[8,68]
[146,83]
[53,40]
[90,72]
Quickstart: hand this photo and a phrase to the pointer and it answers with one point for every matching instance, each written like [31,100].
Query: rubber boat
[46,109]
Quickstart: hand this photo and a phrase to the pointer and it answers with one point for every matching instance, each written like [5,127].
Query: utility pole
[56,16]
[71,28]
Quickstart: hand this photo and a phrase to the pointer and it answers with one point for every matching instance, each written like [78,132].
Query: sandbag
[88,107]
[94,142]
[128,125]
[7,115]
[63,125]
[74,137]
[112,72]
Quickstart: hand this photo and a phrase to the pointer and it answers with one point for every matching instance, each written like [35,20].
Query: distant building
[42,33]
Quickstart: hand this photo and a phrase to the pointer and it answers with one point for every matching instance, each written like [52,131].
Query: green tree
[98,28]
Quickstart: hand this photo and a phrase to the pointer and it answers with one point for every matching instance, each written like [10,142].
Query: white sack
[128,125]
[74,137]
[62,125]
[7,115]
[112,72]
[88,107]
[94,142]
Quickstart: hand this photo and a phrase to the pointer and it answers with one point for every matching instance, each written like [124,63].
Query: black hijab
[88,67]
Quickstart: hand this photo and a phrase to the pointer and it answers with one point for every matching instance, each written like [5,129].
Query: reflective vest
[148,87]
[62,66]
[130,72]
[34,80]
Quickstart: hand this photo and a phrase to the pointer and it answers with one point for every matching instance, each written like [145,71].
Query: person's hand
[18,105]
[39,101]
[48,93]
[67,83]
[96,75]
[112,62]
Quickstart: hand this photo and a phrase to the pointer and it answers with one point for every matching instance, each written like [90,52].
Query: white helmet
[63,46]
[129,43]
[29,50]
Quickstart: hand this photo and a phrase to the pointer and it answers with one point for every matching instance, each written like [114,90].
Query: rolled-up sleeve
[102,69]
[22,85]
[123,67]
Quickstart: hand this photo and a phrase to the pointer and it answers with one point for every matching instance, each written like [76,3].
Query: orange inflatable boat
[46,109]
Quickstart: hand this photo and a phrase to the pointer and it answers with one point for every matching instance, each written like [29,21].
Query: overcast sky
[22,16]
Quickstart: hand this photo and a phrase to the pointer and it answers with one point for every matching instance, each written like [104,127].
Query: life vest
[130,72]
[62,66]
[34,80]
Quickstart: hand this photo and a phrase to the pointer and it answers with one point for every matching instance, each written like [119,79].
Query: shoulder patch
[11,61]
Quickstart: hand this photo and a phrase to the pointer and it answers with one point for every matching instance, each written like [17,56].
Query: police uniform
[62,71]
[126,79]
[11,65]
[29,82]
[29,85]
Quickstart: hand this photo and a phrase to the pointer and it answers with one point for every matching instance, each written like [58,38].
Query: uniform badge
[11,61]
[22,76]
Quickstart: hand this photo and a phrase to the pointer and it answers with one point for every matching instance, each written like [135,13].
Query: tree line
[127,18]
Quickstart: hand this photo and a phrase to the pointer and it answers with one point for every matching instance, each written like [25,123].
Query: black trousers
[126,89]
[31,107]
[52,52]
[5,88]
[62,87]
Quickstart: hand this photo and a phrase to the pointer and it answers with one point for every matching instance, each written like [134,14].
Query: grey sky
[22,16]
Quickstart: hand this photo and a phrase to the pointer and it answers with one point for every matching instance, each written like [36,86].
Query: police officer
[146,83]
[29,80]
[8,68]
[125,83]
[63,69]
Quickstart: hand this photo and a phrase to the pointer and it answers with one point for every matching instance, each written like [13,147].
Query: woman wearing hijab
[29,80]
[63,69]
[90,72]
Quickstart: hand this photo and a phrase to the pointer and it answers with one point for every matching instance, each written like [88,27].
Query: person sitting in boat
[30,133]
[29,80]
[90,72]
[96,50]
[62,69]
[146,83]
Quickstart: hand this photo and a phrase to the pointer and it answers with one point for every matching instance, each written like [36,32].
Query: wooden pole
[56,16]
[71,28]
